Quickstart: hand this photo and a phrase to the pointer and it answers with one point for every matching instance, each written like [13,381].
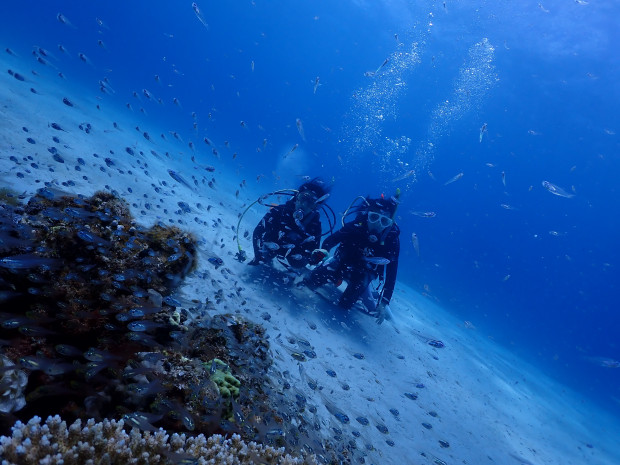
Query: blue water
[540,273]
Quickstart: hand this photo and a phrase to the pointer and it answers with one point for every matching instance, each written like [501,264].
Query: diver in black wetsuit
[292,232]
[368,245]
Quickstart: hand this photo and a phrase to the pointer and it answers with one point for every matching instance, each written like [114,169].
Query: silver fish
[556,190]
[199,15]
[300,128]
[483,129]
[377,260]
[405,175]
[416,243]
[455,178]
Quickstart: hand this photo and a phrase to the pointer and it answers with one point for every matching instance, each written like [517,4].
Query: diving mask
[377,221]
[305,201]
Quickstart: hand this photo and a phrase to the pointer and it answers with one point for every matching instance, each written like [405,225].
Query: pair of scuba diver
[368,246]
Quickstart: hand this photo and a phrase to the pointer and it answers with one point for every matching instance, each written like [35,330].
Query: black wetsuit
[279,227]
[349,263]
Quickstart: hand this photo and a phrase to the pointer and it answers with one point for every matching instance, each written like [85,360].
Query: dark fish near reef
[26,261]
[142,420]
[177,177]
[217,261]
[335,411]
[57,127]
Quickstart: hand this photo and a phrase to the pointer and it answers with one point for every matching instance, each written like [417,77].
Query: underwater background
[466,107]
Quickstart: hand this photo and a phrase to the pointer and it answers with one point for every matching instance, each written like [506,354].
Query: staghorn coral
[107,443]
[12,384]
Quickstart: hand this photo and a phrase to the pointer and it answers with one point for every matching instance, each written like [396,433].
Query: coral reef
[90,316]
[108,443]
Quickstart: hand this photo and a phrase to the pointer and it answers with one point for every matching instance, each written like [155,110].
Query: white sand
[491,407]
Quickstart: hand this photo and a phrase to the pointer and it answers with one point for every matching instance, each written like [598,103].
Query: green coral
[223,378]
[9,196]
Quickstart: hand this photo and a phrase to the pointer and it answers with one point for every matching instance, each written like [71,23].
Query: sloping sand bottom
[470,402]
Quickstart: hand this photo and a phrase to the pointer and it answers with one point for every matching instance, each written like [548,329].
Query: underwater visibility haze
[497,122]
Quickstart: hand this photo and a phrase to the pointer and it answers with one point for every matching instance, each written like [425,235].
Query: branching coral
[107,443]
[12,384]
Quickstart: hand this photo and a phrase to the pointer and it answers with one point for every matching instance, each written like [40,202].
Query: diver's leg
[368,299]
[319,276]
[356,285]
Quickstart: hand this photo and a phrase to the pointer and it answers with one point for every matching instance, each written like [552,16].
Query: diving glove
[318,256]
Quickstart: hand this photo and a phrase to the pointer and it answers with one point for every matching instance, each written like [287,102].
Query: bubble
[475,79]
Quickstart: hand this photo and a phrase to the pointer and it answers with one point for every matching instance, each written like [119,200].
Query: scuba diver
[368,248]
[292,232]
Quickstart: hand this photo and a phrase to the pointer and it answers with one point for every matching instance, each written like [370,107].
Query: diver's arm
[315,231]
[339,236]
[333,240]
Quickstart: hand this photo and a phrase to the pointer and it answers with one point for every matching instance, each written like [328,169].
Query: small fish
[605,362]
[416,243]
[177,177]
[26,261]
[199,15]
[142,420]
[100,23]
[216,261]
[483,129]
[62,18]
[335,411]
[84,58]
[300,129]
[424,214]
[299,356]
[385,62]
[453,179]
[316,84]
[504,178]
[252,65]
[405,175]
[56,126]
[292,150]
[556,190]
[377,260]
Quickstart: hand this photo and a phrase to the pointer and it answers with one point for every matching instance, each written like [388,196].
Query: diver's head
[380,214]
[310,195]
